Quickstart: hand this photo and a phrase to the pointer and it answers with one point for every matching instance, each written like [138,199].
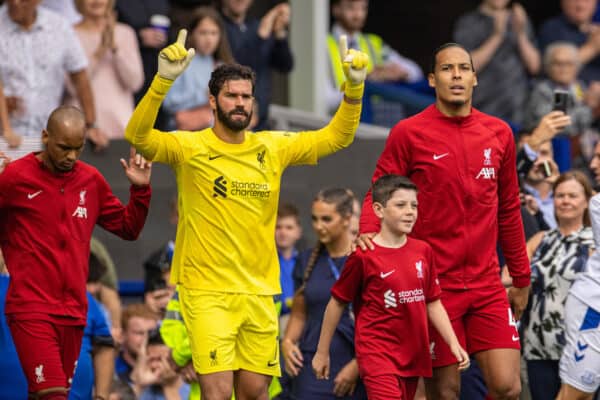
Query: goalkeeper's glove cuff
[161,85]
[353,90]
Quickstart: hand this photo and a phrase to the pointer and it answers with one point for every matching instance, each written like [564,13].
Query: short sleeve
[348,286]
[298,272]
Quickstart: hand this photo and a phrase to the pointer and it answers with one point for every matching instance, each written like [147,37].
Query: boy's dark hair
[288,210]
[230,72]
[96,269]
[154,337]
[384,187]
[122,389]
[445,46]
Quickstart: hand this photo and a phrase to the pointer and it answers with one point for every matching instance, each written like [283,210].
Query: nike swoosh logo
[271,363]
[438,156]
[210,158]
[386,274]
[32,195]
[515,338]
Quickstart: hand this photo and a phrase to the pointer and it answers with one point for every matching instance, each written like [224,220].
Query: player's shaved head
[66,120]
[63,138]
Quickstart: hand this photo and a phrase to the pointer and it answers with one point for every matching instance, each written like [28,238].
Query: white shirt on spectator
[66,8]
[34,65]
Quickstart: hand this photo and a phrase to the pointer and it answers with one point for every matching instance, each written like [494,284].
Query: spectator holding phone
[561,63]
[562,92]
[537,185]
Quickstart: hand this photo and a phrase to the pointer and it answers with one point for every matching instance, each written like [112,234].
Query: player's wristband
[352,101]
[353,91]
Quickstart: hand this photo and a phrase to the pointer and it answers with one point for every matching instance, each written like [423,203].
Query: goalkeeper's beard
[234,124]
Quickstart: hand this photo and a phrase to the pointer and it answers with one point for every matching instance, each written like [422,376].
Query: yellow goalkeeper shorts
[231,331]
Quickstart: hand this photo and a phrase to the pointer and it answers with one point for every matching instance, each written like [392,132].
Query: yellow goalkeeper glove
[354,64]
[174,59]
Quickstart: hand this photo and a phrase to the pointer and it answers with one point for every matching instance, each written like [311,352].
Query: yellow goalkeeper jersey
[228,193]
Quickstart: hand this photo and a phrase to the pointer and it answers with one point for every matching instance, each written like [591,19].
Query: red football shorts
[386,387]
[48,352]
[482,320]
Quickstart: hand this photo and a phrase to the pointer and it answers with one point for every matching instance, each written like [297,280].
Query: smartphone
[546,169]
[561,101]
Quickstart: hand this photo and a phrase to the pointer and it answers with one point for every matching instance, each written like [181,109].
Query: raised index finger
[132,153]
[343,46]
[181,36]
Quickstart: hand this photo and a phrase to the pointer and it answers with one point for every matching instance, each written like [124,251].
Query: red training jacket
[465,170]
[46,223]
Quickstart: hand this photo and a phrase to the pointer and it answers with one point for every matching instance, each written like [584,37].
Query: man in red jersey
[49,205]
[463,162]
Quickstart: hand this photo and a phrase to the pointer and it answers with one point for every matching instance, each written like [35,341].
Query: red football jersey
[46,223]
[390,289]
[466,172]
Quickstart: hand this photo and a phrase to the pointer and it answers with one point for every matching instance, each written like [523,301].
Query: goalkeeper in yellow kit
[228,180]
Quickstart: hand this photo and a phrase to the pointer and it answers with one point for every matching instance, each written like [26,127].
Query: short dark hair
[96,269]
[154,337]
[230,72]
[288,210]
[384,187]
[445,46]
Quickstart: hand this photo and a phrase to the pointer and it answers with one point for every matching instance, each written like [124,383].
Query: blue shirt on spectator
[96,332]
[190,90]
[156,393]
[13,384]
[286,279]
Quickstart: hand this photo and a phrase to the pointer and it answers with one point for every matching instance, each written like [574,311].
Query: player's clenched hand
[138,170]
[174,59]
[518,298]
[354,64]
[345,381]
[320,364]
